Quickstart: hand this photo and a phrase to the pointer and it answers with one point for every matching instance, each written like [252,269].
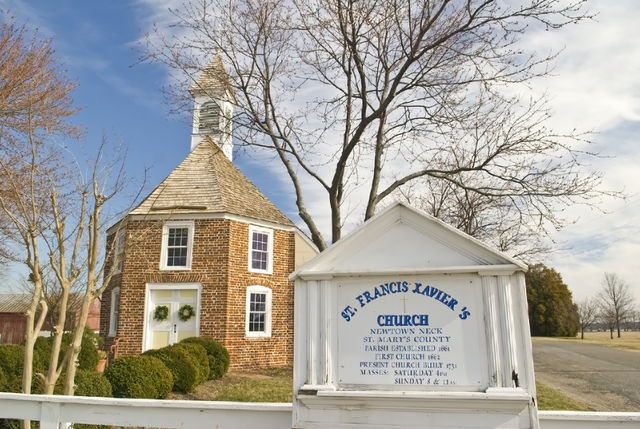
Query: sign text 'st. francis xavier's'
[412,289]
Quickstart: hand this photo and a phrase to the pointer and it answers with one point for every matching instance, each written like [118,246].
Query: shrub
[13,384]
[139,377]
[87,358]
[91,383]
[183,366]
[12,360]
[199,353]
[3,380]
[41,353]
[218,356]
[15,424]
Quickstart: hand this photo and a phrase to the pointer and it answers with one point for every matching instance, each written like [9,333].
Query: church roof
[208,182]
[213,81]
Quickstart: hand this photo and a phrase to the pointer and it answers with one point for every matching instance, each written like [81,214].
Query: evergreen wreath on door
[161,313]
[186,312]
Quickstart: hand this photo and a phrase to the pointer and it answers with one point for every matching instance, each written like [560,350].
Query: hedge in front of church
[218,356]
[199,353]
[139,377]
[92,383]
[182,365]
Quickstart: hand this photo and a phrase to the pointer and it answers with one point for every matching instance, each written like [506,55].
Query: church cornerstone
[407,322]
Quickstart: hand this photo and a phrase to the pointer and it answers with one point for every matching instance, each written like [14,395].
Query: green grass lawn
[276,385]
[551,399]
[277,389]
[629,340]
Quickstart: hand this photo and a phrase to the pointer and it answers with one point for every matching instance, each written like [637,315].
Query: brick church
[206,253]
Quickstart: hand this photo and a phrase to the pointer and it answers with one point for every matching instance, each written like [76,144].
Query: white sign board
[407,322]
[423,333]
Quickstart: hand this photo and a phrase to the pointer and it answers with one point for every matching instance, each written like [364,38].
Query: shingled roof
[14,303]
[213,81]
[208,182]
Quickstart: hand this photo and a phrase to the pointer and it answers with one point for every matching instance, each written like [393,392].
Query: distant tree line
[613,308]
[553,313]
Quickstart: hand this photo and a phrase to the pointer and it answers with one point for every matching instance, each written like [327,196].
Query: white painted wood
[508,341]
[588,420]
[52,410]
[346,307]
[50,415]
[404,239]
[504,269]
[314,337]
[490,301]
[226,415]
[172,325]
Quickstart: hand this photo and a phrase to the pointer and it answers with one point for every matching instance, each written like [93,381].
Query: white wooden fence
[54,412]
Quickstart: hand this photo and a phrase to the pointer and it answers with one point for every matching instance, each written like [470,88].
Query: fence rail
[54,412]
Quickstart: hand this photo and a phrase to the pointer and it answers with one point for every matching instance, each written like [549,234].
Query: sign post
[407,322]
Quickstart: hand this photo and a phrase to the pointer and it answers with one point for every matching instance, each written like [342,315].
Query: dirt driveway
[603,378]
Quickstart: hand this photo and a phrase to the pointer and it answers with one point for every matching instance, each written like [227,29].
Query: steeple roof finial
[214,81]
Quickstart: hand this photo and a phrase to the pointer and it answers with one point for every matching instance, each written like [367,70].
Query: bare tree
[55,212]
[35,103]
[633,320]
[608,319]
[106,180]
[492,219]
[616,300]
[588,313]
[69,230]
[33,98]
[360,99]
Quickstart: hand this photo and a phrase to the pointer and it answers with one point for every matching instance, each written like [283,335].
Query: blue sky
[595,85]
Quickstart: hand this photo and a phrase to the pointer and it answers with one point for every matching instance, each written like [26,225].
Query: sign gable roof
[402,239]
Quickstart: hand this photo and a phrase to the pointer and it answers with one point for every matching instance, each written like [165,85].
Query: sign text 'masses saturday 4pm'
[402,348]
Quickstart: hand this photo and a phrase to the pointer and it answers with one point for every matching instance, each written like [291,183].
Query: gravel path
[603,378]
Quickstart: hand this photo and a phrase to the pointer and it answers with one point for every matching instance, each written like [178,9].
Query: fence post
[49,415]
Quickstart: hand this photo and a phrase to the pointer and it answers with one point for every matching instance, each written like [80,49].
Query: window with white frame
[177,244]
[119,250]
[258,312]
[260,249]
[115,311]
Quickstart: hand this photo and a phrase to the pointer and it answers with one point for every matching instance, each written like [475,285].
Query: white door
[172,316]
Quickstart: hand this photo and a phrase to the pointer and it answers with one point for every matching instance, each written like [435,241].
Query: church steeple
[214,101]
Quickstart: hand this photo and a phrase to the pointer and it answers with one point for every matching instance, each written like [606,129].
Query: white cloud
[594,86]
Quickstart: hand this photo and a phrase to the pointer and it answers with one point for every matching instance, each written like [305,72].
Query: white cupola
[214,101]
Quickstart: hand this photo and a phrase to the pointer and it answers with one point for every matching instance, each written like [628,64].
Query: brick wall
[256,352]
[220,265]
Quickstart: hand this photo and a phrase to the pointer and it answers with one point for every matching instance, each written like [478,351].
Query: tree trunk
[76,344]
[32,331]
[55,368]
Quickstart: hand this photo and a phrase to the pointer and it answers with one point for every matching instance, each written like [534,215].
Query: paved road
[604,378]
